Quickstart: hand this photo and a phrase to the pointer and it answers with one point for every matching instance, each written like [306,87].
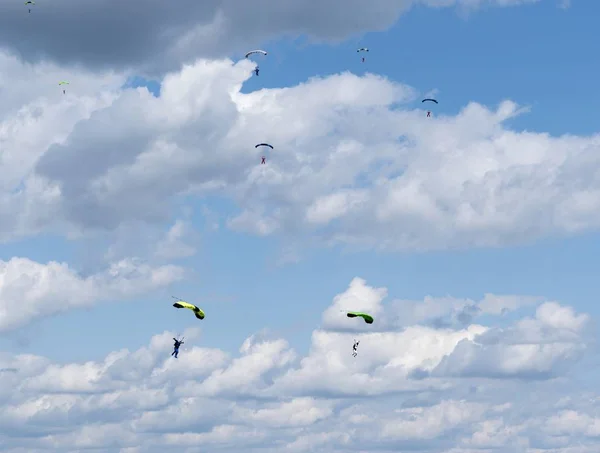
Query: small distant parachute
[356,314]
[263,159]
[363,49]
[29,3]
[62,83]
[256,51]
[182,304]
[264,144]
[429,100]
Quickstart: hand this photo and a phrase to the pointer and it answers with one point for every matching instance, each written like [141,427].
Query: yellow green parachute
[356,314]
[182,304]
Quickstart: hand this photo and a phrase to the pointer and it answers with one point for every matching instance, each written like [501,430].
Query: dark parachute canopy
[430,100]
[252,52]
[264,144]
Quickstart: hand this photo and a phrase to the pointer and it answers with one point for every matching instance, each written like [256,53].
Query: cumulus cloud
[265,399]
[354,164]
[31,290]
[160,35]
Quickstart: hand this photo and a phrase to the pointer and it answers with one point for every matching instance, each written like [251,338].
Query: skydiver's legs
[263,161]
[176,353]
[428,114]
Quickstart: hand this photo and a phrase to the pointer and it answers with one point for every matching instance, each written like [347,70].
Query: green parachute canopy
[357,314]
[182,304]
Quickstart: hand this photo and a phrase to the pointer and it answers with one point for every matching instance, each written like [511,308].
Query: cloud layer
[354,163]
[31,290]
[158,35]
[468,388]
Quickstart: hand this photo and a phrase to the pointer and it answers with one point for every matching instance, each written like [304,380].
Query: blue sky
[534,231]
[427,49]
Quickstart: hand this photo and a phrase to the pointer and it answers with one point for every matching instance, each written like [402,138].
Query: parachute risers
[182,304]
[356,314]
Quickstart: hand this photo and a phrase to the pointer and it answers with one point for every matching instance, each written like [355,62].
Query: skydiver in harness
[263,160]
[178,343]
[256,70]
[355,348]
[428,114]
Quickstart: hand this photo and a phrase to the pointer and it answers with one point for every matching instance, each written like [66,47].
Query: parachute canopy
[30,3]
[356,314]
[430,100]
[363,49]
[264,144]
[256,51]
[63,83]
[197,312]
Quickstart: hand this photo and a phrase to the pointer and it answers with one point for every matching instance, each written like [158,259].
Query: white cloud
[47,289]
[174,244]
[265,400]
[353,164]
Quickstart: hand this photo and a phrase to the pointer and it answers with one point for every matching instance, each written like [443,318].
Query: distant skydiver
[264,158]
[355,348]
[63,83]
[429,100]
[178,343]
[256,70]
[363,49]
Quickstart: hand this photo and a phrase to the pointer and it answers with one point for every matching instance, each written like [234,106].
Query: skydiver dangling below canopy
[355,348]
[178,343]
[256,70]
[363,49]
[263,158]
[429,100]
